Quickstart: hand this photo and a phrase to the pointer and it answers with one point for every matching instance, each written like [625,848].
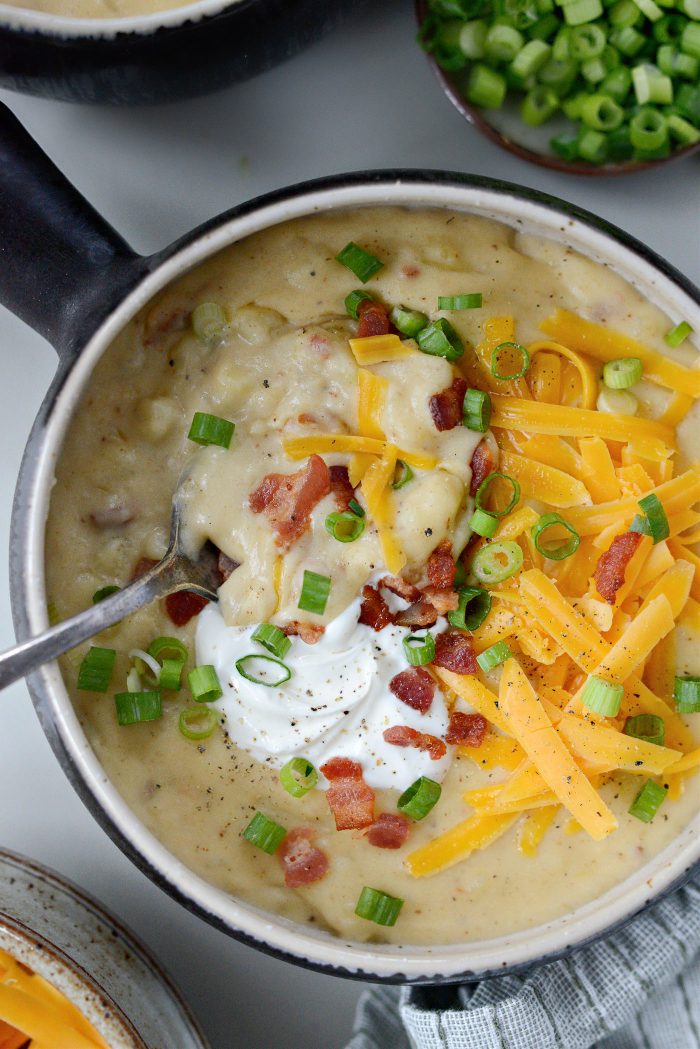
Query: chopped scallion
[273,639]
[498,561]
[362,264]
[210,429]
[419,650]
[648,727]
[686,693]
[103,592]
[677,335]
[440,339]
[168,648]
[602,697]
[264,833]
[136,707]
[655,522]
[418,800]
[96,669]
[345,526]
[648,800]
[377,907]
[493,656]
[298,777]
[483,491]
[263,670]
[555,549]
[314,592]
[171,674]
[353,300]
[474,606]
[197,722]
[355,507]
[402,475]
[467,301]
[483,523]
[622,373]
[477,410]
[209,322]
[409,322]
[510,350]
[204,684]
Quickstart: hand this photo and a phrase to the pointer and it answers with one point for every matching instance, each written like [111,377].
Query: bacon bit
[349,798]
[373,318]
[310,633]
[454,651]
[404,736]
[466,730]
[164,320]
[446,406]
[307,419]
[610,571]
[301,861]
[482,466]
[143,565]
[288,499]
[410,271]
[341,488]
[374,611]
[400,587]
[226,565]
[442,600]
[389,831]
[321,344]
[441,566]
[414,687]
[420,614]
[183,606]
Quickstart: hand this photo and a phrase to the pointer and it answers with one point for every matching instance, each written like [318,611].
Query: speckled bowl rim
[280,937]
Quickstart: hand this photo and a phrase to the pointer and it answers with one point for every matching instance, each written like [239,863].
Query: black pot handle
[62,267]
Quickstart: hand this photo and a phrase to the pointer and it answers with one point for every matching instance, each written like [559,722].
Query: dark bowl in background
[526,142]
[162,57]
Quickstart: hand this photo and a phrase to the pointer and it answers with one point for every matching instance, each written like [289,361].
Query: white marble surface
[363,98]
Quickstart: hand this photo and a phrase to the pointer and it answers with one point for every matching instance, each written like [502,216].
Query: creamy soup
[353,509]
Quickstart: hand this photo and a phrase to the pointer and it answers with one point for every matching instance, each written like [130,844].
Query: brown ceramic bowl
[506,129]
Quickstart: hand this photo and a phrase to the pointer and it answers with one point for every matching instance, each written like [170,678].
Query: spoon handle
[19,661]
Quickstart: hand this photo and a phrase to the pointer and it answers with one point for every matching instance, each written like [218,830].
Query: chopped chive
[483,489]
[353,300]
[686,693]
[648,800]
[197,722]
[494,656]
[409,322]
[355,507]
[263,670]
[467,301]
[136,707]
[103,592]
[520,351]
[654,521]
[622,373]
[209,322]
[440,339]
[204,684]
[273,639]
[648,727]
[168,648]
[96,669]
[362,264]
[483,523]
[264,833]
[419,650]
[402,475]
[314,592]
[298,777]
[498,561]
[677,335]
[476,411]
[210,429]
[171,674]
[602,697]
[418,800]
[486,87]
[555,549]
[474,606]
[377,907]
[345,526]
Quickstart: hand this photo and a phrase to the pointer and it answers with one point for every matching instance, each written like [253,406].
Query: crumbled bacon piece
[414,687]
[310,633]
[373,319]
[390,830]
[442,600]
[610,570]
[400,587]
[349,798]
[410,270]
[466,730]
[446,406]
[226,565]
[441,566]
[143,565]
[183,606]
[482,466]
[454,651]
[404,736]
[374,611]
[420,614]
[341,488]
[301,861]
[288,499]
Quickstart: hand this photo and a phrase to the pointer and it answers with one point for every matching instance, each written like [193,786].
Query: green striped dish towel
[637,989]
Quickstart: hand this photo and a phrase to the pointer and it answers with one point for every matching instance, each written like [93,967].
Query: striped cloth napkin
[638,989]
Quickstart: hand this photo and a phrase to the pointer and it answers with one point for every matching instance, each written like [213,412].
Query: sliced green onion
[168,648]
[616,402]
[493,656]
[353,300]
[105,591]
[419,651]
[96,669]
[686,693]
[503,42]
[630,42]
[250,668]
[197,722]
[419,798]
[210,429]
[314,592]
[460,575]
[171,674]
[136,707]
[264,833]
[476,411]
[474,606]
[581,11]
[690,39]
[345,526]
[483,523]
[486,87]
[472,39]
[565,146]
[482,493]
[133,680]
[440,339]
[622,373]
[520,351]
[468,301]
[656,520]
[602,697]
[356,508]
[204,684]
[362,264]
[538,105]
[649,9]
[498,561]
[677,335]
[402,475]
[586,41]
[682,130]
[298,777]
[273,639]
[141,661]
[531,58]
[209,322]
[377,907]
[408,322]
[557,549]
[592,146]
[648,727]
[651,85]
[648,800]
[603,114]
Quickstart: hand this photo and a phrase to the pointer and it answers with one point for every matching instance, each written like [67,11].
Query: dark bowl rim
[21,555]
[474,116]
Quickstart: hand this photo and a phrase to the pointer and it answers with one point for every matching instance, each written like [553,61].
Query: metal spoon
[175,572]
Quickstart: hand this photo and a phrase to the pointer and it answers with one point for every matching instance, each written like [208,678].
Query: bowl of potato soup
[441,720]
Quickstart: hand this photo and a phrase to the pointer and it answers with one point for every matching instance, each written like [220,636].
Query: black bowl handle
[62,267]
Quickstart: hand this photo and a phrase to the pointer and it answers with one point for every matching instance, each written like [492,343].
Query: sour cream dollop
[337,702]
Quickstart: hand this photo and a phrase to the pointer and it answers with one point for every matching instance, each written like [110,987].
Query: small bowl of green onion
[589,87]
